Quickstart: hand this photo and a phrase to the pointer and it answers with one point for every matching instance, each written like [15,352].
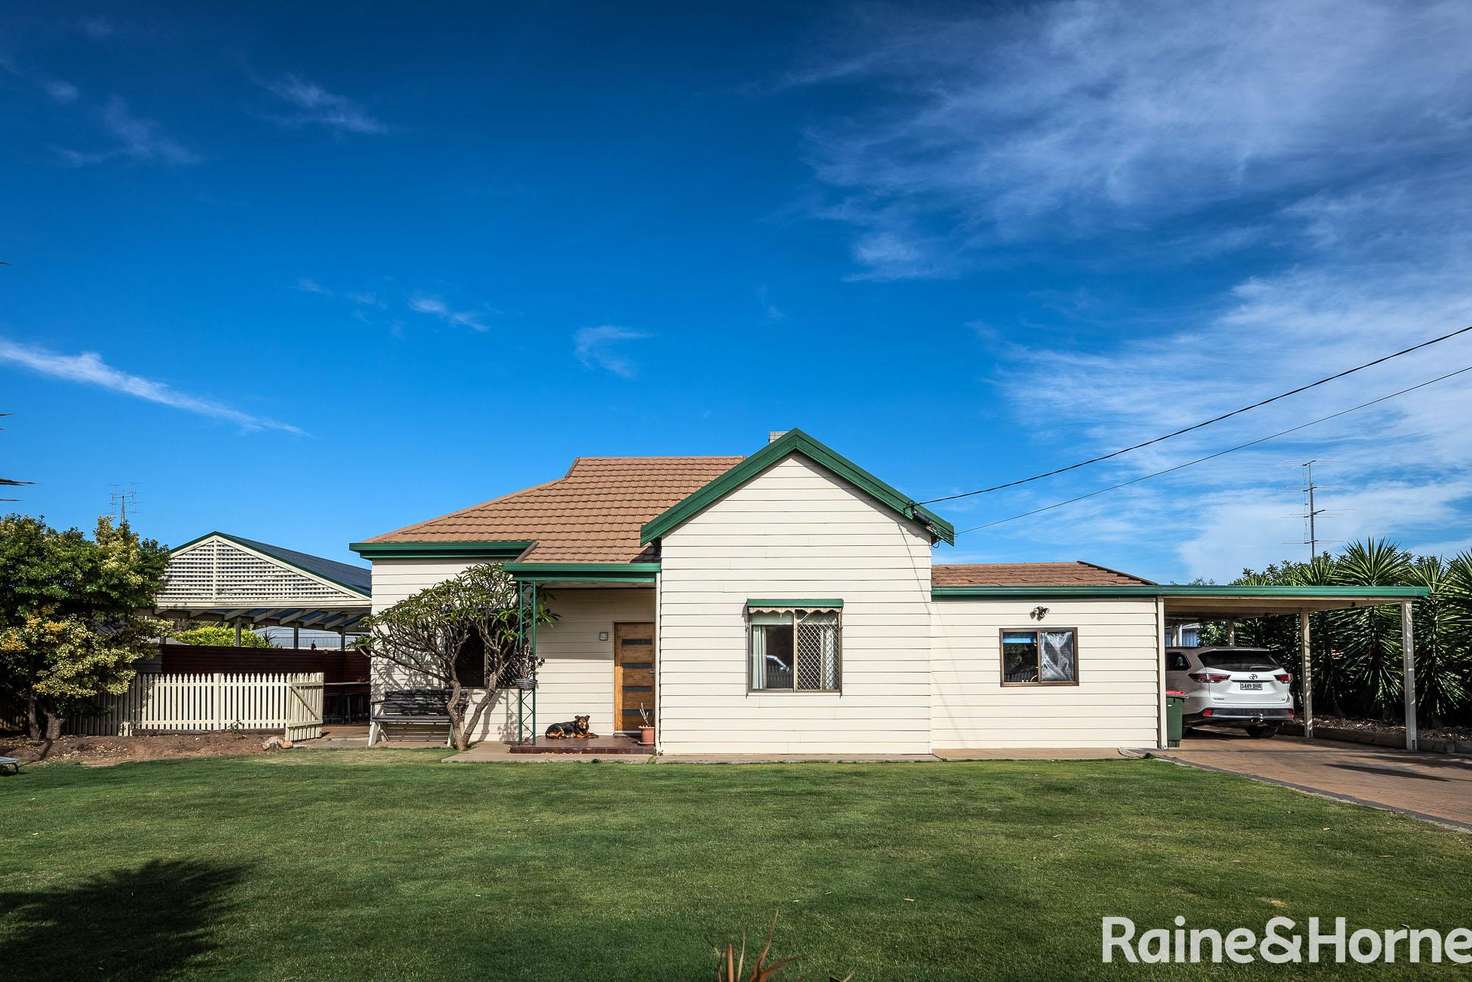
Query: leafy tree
[426,634]
[74,615]
[218,635]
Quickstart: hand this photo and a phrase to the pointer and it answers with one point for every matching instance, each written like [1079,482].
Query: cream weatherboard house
[786,602]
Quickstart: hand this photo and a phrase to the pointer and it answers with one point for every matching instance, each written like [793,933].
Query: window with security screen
[798,650]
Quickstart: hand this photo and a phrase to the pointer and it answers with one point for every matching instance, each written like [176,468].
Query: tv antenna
[120,500]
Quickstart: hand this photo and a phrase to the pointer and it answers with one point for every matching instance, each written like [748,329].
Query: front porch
[599,745]
[596,659]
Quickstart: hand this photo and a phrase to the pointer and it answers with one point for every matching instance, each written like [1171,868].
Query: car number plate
[1250,686]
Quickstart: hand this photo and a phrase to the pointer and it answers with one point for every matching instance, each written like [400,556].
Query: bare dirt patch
[95,751]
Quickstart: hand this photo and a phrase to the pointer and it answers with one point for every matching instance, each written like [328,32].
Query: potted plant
[524,676]
[646,728]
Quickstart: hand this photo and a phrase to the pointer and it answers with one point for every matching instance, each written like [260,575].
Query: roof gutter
[502,549]
[1388,593]
[592,574]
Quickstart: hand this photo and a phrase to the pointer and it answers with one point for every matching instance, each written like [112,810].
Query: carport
[1190,604]
[229,579]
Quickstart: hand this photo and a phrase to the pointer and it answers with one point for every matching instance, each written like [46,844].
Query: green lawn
[388,864]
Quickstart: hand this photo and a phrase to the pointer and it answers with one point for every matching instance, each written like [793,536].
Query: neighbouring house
[223,578]
[787,602]
[308,606]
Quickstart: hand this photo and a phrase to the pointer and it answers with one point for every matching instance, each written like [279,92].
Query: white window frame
[795,615]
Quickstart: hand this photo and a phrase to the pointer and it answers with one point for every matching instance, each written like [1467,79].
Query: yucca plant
[731,963]
[1332,684]
[1443,638]
[1370,636]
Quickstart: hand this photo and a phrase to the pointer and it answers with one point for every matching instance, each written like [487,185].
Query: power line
[1219,453]
[1203,423]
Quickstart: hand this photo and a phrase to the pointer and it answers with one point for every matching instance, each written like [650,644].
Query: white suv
[1231,687]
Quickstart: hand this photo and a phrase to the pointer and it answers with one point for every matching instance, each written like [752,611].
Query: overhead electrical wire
[1196,426]
[1219,453]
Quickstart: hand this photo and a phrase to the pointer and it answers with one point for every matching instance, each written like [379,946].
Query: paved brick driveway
[1434,786]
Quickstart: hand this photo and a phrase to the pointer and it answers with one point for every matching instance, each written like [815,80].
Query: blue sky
[308,278]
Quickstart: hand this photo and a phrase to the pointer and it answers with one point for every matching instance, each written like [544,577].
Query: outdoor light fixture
[602,635]
[1038,613]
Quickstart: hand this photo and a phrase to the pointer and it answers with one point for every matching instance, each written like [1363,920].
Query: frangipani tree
[425,635]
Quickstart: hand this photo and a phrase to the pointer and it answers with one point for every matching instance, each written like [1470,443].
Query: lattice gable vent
[218,571]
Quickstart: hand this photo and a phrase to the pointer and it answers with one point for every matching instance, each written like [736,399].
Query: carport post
[1306,675]
[1408,658]
[1164,735]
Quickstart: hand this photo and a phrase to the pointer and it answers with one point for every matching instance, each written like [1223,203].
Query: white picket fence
[290,702]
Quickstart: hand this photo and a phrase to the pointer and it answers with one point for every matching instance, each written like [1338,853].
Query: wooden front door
[633,674]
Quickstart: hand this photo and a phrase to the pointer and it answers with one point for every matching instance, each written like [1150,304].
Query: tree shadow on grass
[146,922]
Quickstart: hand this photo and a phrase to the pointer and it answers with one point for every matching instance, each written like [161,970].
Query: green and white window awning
[786,606]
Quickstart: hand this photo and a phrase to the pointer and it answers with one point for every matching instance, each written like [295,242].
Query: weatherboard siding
[1115,703]
[577,676]
[795,531]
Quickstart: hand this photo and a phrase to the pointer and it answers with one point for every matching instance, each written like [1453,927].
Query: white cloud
[313,105]
[97,27]
[88,368]
[1332,140]
[1238,529]
[598,347]
[308,285]
[436,307]
[771,310]
[135,138]
[60,91]
[1070,119]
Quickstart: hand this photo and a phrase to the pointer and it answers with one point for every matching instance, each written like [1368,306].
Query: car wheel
[1262,732]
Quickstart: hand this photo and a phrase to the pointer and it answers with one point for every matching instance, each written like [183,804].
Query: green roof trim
[1172,590]
[505,549]
[589,581]
[1265,592]
[823,602]
[356,579]
[796,441]
[592,573]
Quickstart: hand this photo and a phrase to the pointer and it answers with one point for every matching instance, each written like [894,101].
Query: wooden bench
[410,707]
[11,763]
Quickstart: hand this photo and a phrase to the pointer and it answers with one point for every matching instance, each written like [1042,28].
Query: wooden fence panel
[304,706]
[195,703]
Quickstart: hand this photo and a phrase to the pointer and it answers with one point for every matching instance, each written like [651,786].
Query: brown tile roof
[1076,573]
[592,515]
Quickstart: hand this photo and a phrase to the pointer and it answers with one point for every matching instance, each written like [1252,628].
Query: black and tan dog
[575,730]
